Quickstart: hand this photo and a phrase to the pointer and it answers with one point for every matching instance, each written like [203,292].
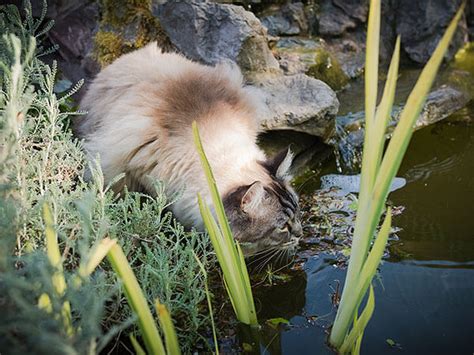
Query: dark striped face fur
[264,216]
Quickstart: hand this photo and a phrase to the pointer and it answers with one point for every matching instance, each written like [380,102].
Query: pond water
[425,292]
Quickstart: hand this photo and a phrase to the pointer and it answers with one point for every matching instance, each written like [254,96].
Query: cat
[139,118]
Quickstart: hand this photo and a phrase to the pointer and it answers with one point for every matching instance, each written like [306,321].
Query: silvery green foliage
[40,161]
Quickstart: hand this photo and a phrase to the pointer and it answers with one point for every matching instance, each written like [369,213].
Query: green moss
[108,47]
[328,69]
[126,25]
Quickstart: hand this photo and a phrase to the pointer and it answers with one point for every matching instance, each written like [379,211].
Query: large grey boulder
[210,32]
[299,103]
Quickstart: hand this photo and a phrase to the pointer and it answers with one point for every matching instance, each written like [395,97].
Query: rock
[333,21]
[289,20]
[422,23]
[358,9]
[291,63]
[209,33]
[440,104]
[350,53]
[299,103]
[74,31]
[298,55]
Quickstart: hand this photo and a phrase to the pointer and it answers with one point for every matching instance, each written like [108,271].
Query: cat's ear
[280,165]
[252,198]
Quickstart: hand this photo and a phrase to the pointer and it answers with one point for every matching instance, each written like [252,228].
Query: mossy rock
[126,25]
[328,69]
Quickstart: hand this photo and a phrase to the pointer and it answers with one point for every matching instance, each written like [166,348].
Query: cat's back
[125,85]
[165,86]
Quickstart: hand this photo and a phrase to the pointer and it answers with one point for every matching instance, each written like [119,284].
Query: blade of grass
[371,205]
[171,339]
[52,250]
[368,173]
[228,263]
[358,330]
[368,163]
[97,254]
[58,280]
[228,251]
[372,63]
[209,303]
[348,309]
[384,110]
[136,346]
[211,181]
[137,300]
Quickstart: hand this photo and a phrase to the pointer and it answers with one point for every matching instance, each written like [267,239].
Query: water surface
[425,294]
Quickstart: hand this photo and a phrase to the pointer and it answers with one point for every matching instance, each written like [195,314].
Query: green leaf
[228,251]
[171,339]
[362,321]
[136,346]
[136,300]
[390,342]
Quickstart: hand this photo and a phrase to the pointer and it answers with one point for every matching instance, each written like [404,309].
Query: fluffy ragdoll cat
[140,113]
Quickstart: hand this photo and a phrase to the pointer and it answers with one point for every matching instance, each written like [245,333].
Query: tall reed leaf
[377,175]
[229,254]
[58,280]
[137,300]
[171,340]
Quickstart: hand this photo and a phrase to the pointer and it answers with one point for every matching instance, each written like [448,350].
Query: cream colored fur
[123,113]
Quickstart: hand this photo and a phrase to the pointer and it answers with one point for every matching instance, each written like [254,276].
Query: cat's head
[266,215]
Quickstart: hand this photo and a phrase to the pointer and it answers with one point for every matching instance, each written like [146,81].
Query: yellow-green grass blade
[370,209]
[356,332]
[58,280]
[384,110]
[404,130]
[248,289]
[97,254]
[228,252]
[137,300]
[209,303]
[356,347]
[136,346]
[371,83]
[372,62]
[369,167]
[382,118]
[211,181]
[373,260]
[228,263]
[348,309]
[52,250]
[44,302]
[171,339]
